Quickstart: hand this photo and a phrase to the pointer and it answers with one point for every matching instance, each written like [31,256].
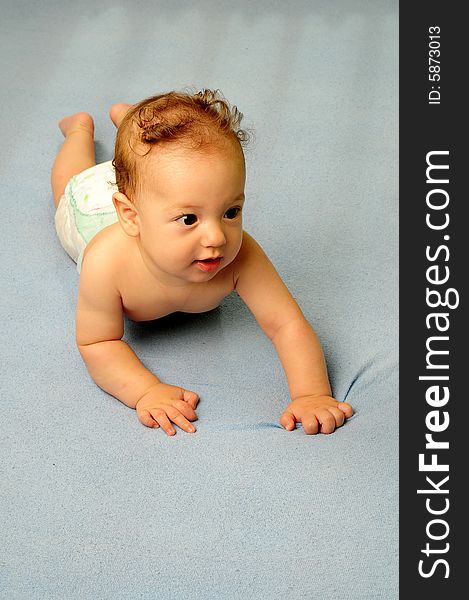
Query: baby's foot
[81,121]
[117,112]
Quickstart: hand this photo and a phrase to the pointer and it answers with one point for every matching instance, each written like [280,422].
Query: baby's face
[192,211]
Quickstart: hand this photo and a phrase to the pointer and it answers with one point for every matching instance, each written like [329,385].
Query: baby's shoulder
[104,250]
[249,243]
[251,262]
[249,249]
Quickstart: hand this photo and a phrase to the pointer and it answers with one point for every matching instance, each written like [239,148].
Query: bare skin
[117,112]
[76,154]
[153,262]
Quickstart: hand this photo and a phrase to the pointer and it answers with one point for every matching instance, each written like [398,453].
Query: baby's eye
[232,213]
[187,219]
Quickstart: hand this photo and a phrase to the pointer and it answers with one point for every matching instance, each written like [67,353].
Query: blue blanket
[93,504]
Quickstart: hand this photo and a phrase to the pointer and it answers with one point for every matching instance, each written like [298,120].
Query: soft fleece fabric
[93,504]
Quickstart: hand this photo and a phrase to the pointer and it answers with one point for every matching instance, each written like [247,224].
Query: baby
[160,230]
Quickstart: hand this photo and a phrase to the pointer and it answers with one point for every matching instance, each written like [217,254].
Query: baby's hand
[164,403]
[317,414]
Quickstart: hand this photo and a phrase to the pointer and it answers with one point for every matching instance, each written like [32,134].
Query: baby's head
[180,173]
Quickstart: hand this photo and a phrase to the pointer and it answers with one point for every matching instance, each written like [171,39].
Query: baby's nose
[214,236]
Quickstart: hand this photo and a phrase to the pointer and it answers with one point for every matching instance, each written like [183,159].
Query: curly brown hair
[203,121]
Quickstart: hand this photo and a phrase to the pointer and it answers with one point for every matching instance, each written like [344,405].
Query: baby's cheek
[237,246]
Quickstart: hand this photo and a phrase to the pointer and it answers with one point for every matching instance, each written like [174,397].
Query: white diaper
[85,208]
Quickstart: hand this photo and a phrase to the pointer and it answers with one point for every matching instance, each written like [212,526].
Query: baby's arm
[112,363]
[297,345]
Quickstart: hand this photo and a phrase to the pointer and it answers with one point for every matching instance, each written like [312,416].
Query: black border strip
[433,401]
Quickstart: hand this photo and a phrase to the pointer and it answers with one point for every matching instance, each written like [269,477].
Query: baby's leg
[117,112]
[76,154]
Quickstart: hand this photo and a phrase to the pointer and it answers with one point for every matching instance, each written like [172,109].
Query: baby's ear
[126,213]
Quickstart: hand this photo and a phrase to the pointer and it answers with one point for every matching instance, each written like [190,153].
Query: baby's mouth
[209,260]
[208,264]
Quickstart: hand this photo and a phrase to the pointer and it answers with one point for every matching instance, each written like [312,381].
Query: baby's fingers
[310,424]
[191,398]
[346,409]
[180,420]
[162,419]
[185,409]
[146,419]
[327,421]
[287,420]
[338,416]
